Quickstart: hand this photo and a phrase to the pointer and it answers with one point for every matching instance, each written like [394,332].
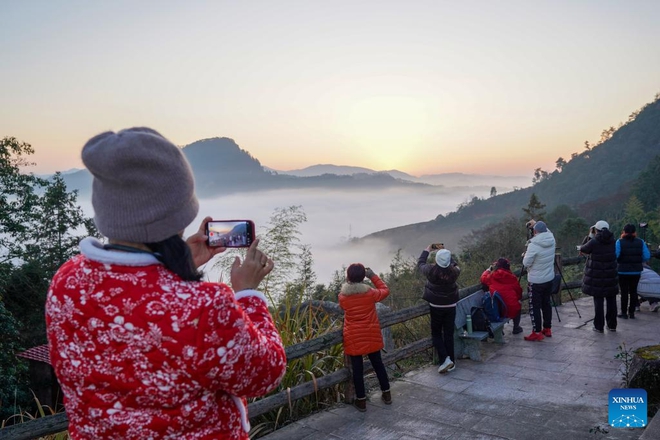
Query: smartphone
[438,246]
[230,233]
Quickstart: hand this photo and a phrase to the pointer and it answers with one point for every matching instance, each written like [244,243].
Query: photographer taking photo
[142,347]
[441,292]
[539,259]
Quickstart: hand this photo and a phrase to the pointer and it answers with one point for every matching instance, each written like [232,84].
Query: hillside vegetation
[597,181]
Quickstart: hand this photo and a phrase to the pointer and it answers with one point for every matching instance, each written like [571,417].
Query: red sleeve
[485,277]
[242,350]
[381,291]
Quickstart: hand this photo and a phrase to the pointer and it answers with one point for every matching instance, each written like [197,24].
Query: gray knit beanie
[143,189]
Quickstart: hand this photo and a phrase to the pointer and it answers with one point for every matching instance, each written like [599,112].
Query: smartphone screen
[230,233]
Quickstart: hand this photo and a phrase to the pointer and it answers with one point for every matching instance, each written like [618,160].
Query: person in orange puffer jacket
[362,334]
[498,277]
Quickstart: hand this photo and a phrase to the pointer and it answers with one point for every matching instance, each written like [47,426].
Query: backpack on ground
[480,321]
[494,306]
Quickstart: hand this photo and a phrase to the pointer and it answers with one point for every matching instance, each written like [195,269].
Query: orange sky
[427,87]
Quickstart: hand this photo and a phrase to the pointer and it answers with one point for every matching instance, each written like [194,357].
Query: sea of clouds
[333,217]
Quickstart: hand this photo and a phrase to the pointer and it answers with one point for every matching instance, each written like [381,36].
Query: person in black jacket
[600,276]
[441,291]
[631,253]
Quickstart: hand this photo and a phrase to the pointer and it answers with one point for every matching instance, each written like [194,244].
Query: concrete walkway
[554,389]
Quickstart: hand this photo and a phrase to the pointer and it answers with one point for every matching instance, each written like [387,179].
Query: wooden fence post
[349,387]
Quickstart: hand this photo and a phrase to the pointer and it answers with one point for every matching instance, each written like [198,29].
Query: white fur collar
[354,288]
[91,248]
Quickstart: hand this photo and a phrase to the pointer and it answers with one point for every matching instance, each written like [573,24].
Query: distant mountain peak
[214,142]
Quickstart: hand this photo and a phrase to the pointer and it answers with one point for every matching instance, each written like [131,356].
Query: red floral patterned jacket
[141,354]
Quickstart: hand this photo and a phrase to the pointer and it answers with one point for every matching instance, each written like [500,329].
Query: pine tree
[534,209]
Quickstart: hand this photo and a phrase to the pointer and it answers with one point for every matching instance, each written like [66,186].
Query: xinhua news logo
[627,408]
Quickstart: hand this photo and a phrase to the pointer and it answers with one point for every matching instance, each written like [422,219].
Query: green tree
[17,197]
[540,175]
[647,186]
[13,373]
[558,215]
[569,234]
[534,208]
[331,291]
[634,212]
[493,191]
[39,221]
[481,247]
[560,163]
[56,219]
[405,282]
[24,296]
[304,285]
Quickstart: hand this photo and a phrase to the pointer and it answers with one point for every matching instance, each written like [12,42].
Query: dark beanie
[540,227]
[355,273]
[143,189]
[503,263]
[629,228]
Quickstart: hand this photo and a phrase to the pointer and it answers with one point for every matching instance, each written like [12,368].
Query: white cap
[600,225]
[443,258]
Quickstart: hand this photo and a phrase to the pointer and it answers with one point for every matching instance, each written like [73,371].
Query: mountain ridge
[219,162]
[586,180]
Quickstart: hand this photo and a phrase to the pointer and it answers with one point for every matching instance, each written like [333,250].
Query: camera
[230,233]
[530,228]
[437,246]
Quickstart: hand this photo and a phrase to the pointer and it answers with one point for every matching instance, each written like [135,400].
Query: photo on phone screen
[230,233]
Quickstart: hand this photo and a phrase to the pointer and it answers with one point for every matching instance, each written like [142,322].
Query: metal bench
[466,345]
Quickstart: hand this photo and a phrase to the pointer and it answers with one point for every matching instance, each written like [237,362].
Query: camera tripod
[567,289]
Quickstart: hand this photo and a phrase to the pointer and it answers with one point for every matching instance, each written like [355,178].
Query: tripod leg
[563,280]
[556,310]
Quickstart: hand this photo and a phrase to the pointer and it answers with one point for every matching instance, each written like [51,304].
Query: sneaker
[535,337]
[622,316]
[547,332]
[387,397]
[517,330]
[611,329]
[452,368]
[446,365]
[360,404]
[596,330]
[654,307]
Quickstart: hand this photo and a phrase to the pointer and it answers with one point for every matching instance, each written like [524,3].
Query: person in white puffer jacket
[539,260]
[649,287]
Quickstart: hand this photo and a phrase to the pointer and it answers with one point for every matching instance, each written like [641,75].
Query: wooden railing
[60,422]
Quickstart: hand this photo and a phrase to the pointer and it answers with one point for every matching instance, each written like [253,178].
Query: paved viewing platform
[554,389]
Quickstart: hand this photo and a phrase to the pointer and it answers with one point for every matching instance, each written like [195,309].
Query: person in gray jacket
[539,260]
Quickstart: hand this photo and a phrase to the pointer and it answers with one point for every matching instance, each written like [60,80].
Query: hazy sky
[422,86]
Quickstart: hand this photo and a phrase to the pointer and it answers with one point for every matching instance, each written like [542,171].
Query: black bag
[556,284]
[480,322]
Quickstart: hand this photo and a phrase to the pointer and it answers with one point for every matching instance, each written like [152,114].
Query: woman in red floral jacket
[141,347]
[362,335]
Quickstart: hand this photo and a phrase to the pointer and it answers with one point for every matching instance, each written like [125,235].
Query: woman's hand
[255,267]
[199,248]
